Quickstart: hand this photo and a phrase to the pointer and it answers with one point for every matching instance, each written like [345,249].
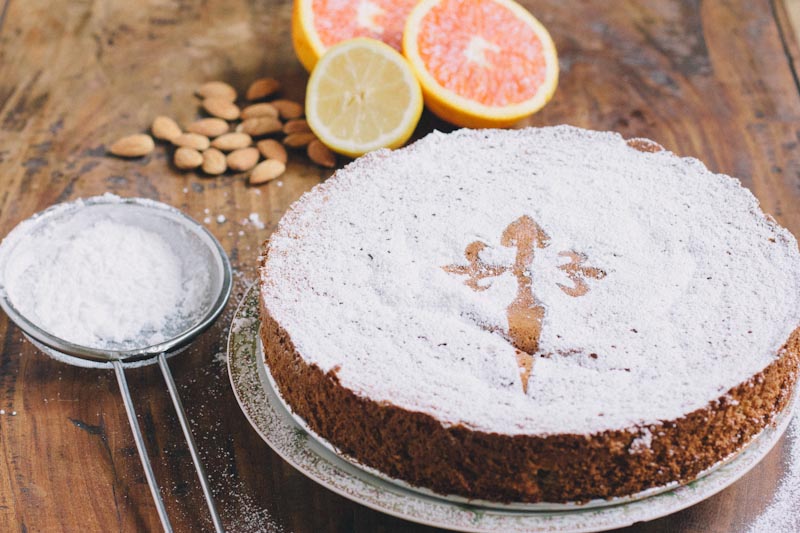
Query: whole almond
[262,87]
[214,162]
[165,128]
[191,140]
[188,158]
[217,89]
[272,149]
[221,108]
[297,125]
[298,140]
[210,127]
[321,154]
[266,171]
[232,141]
[288,109]
[261,126]
[259,110]
[135,145]
[243,159]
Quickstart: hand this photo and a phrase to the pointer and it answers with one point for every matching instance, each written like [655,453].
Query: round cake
[537,315]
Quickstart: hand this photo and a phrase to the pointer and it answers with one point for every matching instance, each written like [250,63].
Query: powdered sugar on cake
[643,442]
[700,290]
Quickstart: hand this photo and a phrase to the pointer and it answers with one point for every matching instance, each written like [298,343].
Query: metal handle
[137,437]
[187,433]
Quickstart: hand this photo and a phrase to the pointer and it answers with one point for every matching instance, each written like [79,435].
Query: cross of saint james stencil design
[525,314]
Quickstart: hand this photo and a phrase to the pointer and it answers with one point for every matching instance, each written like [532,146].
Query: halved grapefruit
[481,63]
[319,24]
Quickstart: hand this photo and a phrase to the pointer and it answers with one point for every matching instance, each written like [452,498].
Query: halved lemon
[481,63]
[319,24]
[361,96]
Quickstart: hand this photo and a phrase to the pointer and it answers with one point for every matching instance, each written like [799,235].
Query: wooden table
[716,80]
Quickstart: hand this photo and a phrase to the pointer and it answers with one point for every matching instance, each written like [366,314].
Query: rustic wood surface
[715,80]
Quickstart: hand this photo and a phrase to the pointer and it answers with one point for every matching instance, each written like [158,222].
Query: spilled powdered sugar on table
[241,511]
[783,513]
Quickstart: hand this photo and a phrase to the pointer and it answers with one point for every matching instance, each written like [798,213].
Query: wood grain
[714,80]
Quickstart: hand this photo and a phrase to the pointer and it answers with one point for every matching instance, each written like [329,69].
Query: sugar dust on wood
[783,514]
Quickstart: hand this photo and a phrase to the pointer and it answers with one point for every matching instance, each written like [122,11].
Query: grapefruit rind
[307,45]
[465,112]
[309,40]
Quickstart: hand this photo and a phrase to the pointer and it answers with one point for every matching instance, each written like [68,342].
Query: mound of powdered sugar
[100,282]
[700,289]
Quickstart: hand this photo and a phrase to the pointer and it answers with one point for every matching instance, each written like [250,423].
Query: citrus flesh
[481,63]
[361,96]
[319,24]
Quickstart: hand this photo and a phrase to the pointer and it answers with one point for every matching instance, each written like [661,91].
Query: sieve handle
[187,433]
[137,437]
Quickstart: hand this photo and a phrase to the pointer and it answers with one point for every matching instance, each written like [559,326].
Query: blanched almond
[221,108]
[243,159]
[266,171]
[135,145]
[321,154]
[191,140]
[288,109]
[210,127]
[232,141]
[272,149]
[188,158]
[263,87]
[214,162]
[298,140]
[165,128]
[259,110]
[261,126]
[297,125]
[217,89]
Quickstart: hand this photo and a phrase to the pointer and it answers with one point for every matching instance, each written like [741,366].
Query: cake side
[416,448]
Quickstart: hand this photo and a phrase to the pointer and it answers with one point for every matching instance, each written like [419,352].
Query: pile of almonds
[232,138]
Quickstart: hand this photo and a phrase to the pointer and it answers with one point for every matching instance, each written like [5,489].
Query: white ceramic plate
[318,460]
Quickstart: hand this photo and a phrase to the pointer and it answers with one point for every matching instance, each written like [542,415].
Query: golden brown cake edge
[417,448]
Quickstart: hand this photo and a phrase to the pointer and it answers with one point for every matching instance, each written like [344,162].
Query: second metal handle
[187,433]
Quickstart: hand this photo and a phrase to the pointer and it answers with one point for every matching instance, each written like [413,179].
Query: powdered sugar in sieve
[112,282]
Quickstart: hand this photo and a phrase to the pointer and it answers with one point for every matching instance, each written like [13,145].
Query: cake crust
[418,449]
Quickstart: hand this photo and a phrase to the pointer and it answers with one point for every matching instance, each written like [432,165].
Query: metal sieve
[193,244]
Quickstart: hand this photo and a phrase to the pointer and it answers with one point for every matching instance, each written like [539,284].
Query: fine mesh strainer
[191,242]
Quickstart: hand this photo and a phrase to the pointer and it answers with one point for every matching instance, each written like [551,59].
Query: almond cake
[537,315]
